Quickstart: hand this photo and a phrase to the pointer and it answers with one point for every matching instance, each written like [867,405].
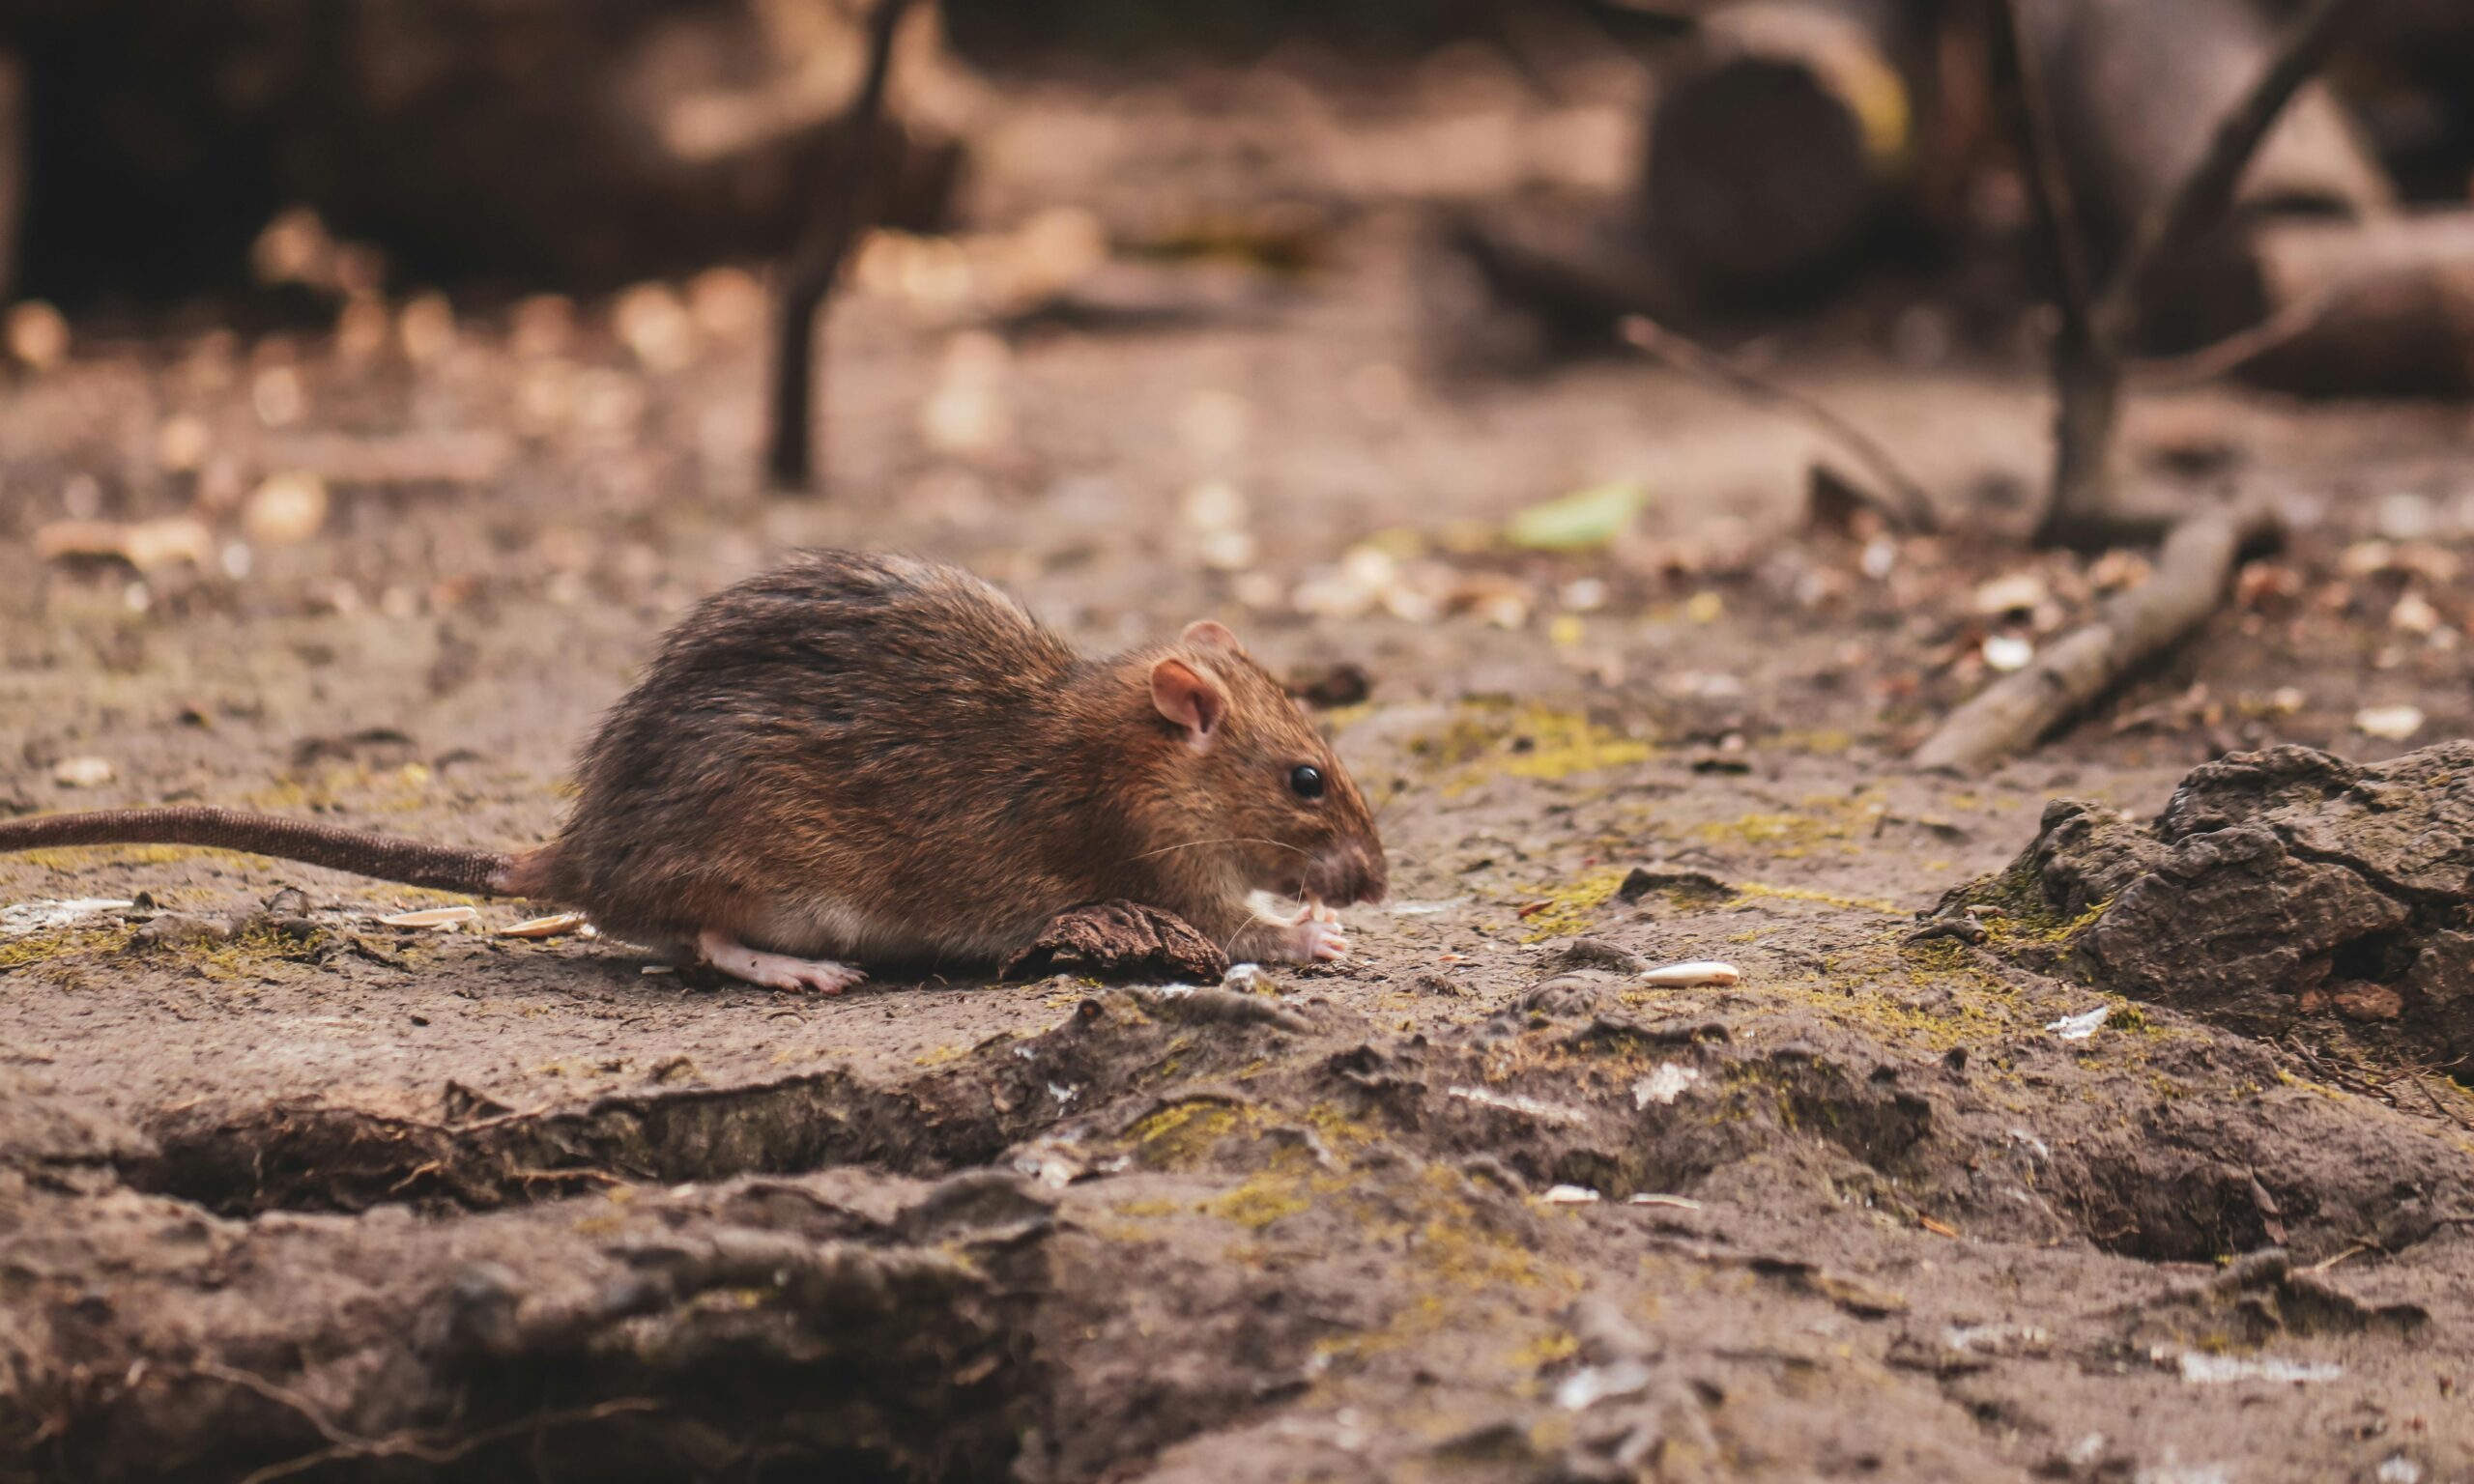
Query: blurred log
[572,147]
[2432,36]
[2382,309]
[1777,141]
[1578,266]
[2136,92]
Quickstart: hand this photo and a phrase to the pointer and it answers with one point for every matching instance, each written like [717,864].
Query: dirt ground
[403,1203]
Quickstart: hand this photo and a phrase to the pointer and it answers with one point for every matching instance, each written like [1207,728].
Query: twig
[2207,193]
[409,1445]
[289,1400]
[2089,351]
[815,263]
[2343,1253]
[1907,507]
[2135,626]
[2242,347]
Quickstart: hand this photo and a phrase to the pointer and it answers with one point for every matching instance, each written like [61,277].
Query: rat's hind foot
[773,971]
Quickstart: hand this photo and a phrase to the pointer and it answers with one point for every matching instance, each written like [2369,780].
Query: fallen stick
[1905,506]
[2192,574]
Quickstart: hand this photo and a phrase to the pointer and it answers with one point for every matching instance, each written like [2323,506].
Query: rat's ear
[1210,634]
[1191,698]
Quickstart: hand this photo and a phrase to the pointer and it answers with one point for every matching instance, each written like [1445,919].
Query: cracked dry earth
[339,1200]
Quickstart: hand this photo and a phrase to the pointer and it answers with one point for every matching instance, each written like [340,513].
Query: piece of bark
[1123,940]
[2276,887]
[1777,141]
[2191,578]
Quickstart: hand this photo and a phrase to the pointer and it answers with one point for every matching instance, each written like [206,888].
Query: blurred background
[409,337]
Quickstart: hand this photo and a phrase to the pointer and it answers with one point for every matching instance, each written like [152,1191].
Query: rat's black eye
[1305,781]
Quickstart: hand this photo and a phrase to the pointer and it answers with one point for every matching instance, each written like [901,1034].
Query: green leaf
[1581,520]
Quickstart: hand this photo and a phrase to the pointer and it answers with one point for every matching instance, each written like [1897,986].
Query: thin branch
[2244,346]
[2041,161]
[815,263]
[1908,507]
[2089,349]
[2207,193]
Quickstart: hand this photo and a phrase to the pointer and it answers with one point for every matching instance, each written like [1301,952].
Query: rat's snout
[1347,874]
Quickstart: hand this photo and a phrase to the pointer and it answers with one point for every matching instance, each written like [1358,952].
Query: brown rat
[871,758]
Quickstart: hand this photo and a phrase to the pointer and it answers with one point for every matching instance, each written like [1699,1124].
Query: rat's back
[808,735]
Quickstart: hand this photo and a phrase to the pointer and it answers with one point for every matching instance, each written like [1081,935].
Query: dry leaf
[652,322]
[2389,724]
[434,917]
[287,509]
[83,772]
[2007,652]
[38,335]
[558,926]
[145,545]
[2017,592]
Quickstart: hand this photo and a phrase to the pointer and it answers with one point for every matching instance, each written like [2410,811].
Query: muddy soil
[331,1198]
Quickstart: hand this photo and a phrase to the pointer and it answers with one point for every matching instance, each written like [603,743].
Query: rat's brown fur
[882,759]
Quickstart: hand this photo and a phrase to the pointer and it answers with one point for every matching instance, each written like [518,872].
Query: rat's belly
[825,926]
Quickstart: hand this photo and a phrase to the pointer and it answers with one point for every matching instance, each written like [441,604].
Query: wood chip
[434,917]
[556,926]
[1674,976]
[1937,1228]
[1673,1202]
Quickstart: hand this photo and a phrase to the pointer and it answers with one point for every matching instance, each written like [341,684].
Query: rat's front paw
[1317,939]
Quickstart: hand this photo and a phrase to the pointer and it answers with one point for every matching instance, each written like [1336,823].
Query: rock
[2368,1002]
[2274,886]
[175,930]
[1327,686]
[1687,885]
[1120,940]
[1593,954]
[1569,995]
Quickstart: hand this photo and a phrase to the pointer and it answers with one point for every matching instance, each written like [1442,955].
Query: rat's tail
[385,857]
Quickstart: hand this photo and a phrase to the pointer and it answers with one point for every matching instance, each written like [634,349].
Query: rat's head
[1255,778]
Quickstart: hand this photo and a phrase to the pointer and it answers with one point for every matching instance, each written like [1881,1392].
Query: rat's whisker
[1227,840]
